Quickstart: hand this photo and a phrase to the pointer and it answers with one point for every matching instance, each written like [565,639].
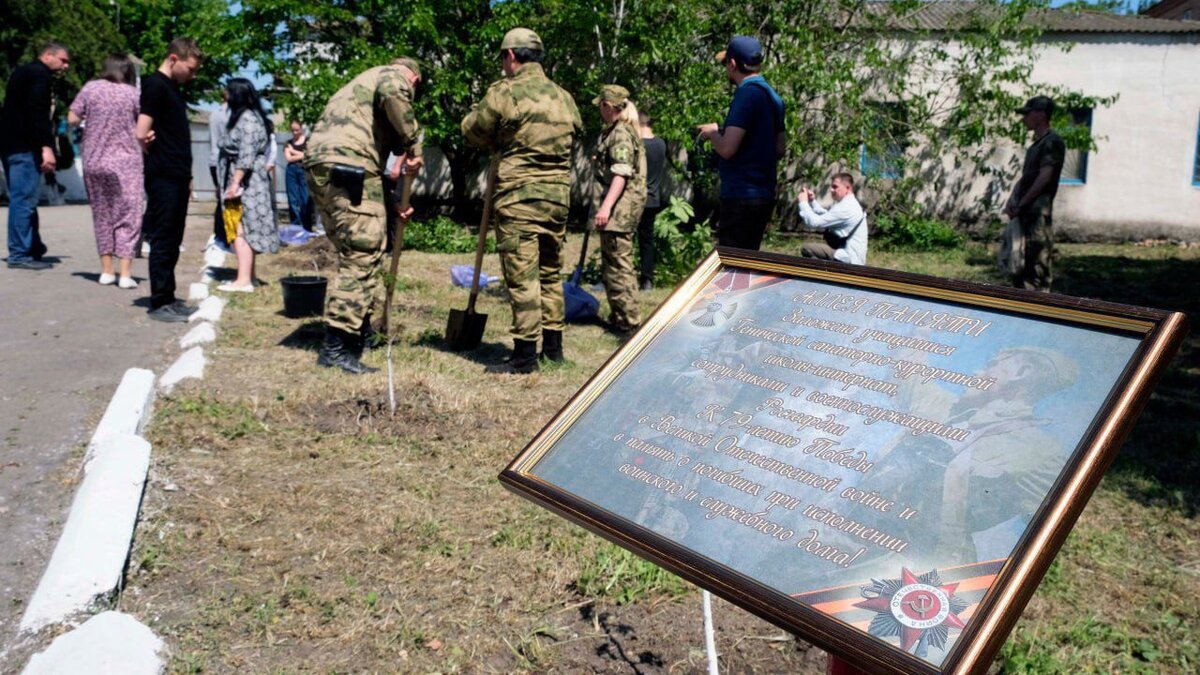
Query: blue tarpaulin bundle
[294,235]
[581,306]
[462,275]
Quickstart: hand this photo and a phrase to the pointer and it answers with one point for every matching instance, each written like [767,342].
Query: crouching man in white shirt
[844,224]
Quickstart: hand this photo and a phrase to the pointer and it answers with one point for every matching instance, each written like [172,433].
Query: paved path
[65,341]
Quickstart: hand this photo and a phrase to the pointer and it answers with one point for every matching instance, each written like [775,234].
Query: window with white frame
[883,152]
[1075,165]
[1196,163]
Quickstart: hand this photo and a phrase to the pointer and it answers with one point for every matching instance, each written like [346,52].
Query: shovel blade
[464,330]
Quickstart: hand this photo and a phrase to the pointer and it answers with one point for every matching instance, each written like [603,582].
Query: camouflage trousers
[1037,226]
[620,281]
[529,239]
[358,233]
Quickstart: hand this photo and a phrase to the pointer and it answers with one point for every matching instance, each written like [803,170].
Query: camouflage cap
[1060,370]
[410,63]
[612,94]
[521,38]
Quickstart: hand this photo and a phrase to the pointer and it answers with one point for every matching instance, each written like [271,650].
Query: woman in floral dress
[112,164]
[242,169]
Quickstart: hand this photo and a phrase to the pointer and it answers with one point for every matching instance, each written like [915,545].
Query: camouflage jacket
[365,120]
[621,153]
[531,123]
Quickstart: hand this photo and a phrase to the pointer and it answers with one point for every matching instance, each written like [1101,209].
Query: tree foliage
[861,79]
[866,83]
[92,29]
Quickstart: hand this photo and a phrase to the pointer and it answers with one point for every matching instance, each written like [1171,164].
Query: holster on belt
[350,179]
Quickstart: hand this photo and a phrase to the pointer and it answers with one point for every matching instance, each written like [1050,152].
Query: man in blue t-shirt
[750,144]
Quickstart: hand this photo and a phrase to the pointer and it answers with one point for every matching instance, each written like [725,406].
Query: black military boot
[552,346]
[371,338]
[524,359]
[342,350]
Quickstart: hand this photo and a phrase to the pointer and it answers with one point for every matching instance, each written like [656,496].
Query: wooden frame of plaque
[933,598]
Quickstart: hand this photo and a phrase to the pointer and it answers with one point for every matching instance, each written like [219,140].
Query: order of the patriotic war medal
[920,610]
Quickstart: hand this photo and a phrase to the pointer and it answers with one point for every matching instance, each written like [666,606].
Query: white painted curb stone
[89,559]
[110,643]
[129,408]
[197,291]
[209,310]
[214,257]
[189,364]
[201,334]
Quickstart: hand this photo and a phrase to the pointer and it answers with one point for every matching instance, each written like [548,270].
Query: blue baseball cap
[744,49]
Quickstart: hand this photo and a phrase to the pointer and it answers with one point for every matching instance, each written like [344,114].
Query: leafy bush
[676,253]
[441,235]
[902,230]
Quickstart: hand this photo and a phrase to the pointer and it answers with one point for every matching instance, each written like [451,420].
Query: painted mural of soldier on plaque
[875,455]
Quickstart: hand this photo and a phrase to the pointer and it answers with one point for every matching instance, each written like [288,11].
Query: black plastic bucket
[303,296]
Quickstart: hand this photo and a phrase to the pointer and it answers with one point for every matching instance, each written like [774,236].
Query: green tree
[312,49]
[858,76]
[84,27]
[92,29]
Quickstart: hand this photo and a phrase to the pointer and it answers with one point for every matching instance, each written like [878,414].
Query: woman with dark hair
[242,170]
[300,203]
[112,164]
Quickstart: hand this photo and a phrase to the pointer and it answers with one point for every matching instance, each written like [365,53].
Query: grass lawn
[292,524]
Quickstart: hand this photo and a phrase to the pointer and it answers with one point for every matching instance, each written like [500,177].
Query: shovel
[397,244]
[578,273]
[464,328]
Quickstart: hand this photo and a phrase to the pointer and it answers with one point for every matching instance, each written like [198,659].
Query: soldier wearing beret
[620,198]
[530,123]
[367,119]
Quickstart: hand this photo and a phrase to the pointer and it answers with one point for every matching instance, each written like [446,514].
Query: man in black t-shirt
[656,162]
[27,151]
[1032,200]
[164,133]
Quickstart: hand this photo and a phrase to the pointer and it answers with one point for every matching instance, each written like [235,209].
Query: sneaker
[234,288]
[127,282]
[181,307]
[647,285]
[108,279]
[167,314]
[28,265]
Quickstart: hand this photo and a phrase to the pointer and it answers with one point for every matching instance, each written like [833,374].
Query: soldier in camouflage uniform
[530,123]
[620,197]
[365,120]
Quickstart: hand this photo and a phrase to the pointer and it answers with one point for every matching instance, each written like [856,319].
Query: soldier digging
[365,120]
[530,123]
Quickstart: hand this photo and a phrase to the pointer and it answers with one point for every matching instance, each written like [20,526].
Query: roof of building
[940,15]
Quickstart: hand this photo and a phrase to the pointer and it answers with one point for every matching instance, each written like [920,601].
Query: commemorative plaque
[882,463]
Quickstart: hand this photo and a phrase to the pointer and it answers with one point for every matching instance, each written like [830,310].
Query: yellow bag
[232,216]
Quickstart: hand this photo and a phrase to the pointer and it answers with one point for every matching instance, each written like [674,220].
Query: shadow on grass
[1160,464]
[307,336]
[487,353]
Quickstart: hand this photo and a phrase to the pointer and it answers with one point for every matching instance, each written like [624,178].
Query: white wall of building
[1139,180]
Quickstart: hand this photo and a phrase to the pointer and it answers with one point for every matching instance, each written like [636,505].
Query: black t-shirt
[1047,151]
[171,152]
[656,161]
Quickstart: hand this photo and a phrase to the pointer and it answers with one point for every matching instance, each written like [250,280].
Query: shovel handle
[578,273]
[493,169]
[397,244]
